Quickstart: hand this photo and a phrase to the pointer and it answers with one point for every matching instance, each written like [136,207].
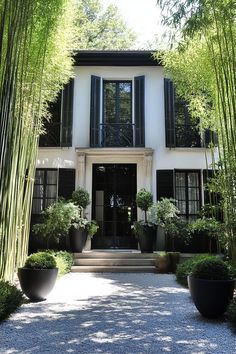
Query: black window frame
[186,172]
[117,82]
[45,184]
[191,137]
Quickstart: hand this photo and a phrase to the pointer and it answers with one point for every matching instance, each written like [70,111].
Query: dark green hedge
[10,299]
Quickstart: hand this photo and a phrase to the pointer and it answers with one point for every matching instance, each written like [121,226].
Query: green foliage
[40,260]
[64,261]
[202,67]
[163,211]
[211,269]
[10,299]
[57,219]
[231,313]
[80,197]
[144,199]
[93,228]
[100,28]
[184,269]
[29,79]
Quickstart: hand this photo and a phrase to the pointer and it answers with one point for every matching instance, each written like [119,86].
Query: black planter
[36,284]
[211,297]
[78,238]
[146,241]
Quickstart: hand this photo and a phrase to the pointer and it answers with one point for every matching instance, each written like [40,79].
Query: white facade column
[80,178]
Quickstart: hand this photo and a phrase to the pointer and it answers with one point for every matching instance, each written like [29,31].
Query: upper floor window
[117,98]
[181,129]
[118,126]
[58,127]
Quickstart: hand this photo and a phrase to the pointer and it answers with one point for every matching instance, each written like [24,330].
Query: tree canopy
[102,28]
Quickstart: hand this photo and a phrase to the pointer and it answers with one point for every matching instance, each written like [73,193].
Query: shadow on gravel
[144,315]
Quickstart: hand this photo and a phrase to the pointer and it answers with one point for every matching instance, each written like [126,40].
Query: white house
[116,128]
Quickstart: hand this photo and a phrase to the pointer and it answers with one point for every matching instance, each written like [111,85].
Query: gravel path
[115,313]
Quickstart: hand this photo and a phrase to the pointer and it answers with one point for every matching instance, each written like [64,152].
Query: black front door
[114,208]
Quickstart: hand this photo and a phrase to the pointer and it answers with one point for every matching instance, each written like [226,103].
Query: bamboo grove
[36,42]
[203,69]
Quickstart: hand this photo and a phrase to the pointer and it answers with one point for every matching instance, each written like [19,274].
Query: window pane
[51,192]
[37,206]
[39,177]
[110,102]
[193,179]
[125,113]
[193,194]
[180,179]
[38,191]
[180,193]
[51,177]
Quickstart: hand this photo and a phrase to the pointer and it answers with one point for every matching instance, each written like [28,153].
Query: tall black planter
[146,241]
[36,284]
[78,238]
[211,297]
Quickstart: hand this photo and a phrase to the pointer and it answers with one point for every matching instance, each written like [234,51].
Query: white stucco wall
[163,158]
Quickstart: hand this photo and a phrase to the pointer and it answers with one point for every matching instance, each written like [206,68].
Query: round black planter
[146,241]
[211,297]
[36,284]
[78,238]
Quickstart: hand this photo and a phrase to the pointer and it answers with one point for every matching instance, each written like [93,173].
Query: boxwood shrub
[10,299]
[64,260]
[184,269]
[40,260]
[211,269]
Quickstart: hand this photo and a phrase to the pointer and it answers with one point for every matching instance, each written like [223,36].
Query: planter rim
[37,268]
[213,280]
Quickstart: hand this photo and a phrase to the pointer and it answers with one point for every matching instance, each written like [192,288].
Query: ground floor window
[45,189]
[188,193]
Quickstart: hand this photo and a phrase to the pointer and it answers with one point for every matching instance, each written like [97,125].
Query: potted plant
[38,276]
[211,287]
[210,226]
[81,226]
[163,262]
[56,221]
[164,214]
[145,231]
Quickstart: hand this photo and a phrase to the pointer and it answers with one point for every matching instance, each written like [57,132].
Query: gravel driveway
[115,313]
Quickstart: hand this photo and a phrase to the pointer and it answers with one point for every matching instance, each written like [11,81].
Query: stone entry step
[114,269]
[115,261]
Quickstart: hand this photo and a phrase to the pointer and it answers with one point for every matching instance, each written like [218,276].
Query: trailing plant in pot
[38,276]
[56,221]
[211,286]
[145,231]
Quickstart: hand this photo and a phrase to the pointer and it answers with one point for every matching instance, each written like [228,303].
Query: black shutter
[139,110]
[210,137]
[165,184]
[66,183]
[67,114]
[169,96]
[95,110]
